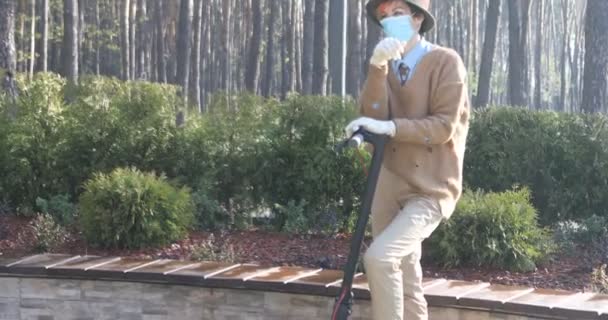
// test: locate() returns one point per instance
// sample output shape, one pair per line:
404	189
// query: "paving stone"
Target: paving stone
447	293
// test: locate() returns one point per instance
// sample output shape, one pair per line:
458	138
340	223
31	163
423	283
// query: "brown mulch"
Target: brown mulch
276	249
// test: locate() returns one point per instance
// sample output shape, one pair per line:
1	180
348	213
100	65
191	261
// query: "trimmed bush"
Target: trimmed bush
131	209
562	158
492	230
251	154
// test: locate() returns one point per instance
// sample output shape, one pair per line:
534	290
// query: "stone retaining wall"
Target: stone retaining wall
57	287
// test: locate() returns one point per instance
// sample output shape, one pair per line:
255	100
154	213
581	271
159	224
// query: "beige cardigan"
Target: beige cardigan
431	112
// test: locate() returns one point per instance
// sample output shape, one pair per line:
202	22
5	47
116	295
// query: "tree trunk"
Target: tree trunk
96	43
252	72
354	70
595	85
43	30
538	55
142	39
563	52
298	40
519	12
320	66
183	46
82	52
160	43
487	55
308	47
337	45
288	62
55	57
70	40
132	40
21	65
226	44
518	34
270	50
32	38
474	33
8	59
195	86
125	39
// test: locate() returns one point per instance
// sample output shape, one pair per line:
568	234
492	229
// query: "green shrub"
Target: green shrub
589	234
113	124
62	135
209	214
131	209
217	153
250	153
30	142
584	232
492	230
296	221
59	207
562	158
299	163
48	234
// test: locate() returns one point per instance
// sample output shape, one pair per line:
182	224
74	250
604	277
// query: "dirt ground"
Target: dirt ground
268	248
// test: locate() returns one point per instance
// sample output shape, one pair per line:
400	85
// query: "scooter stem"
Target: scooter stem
342	308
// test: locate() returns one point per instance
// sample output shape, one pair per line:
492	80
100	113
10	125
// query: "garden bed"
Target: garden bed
571	272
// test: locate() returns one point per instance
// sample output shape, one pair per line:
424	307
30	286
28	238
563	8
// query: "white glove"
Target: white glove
374	126
387	49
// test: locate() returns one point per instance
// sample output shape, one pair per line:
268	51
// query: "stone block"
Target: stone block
111	290
9	309
127	290
473	315
157	293
233	314
443	313
9	287
245	299
153	308
156	317
56	289
35	303
36	314
291	306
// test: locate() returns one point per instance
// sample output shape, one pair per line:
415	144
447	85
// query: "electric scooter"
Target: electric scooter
343	306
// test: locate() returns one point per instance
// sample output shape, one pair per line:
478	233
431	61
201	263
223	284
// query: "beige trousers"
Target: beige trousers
392	262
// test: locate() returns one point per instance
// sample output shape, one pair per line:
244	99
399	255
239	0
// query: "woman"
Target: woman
416	93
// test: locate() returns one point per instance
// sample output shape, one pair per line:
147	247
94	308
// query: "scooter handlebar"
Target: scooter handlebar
356	140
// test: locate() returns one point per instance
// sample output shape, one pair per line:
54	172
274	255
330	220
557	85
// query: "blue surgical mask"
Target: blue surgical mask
399	27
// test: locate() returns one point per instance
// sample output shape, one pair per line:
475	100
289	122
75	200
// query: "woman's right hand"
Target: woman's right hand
387	49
